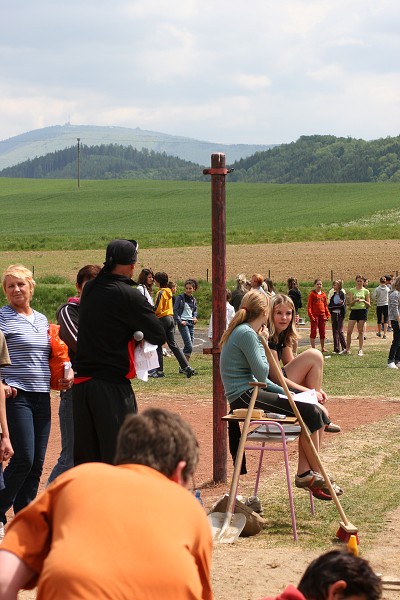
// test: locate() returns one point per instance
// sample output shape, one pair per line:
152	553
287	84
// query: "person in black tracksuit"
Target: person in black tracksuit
111	310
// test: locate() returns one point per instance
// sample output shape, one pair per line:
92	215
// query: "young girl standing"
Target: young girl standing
359	302
185	315
317	308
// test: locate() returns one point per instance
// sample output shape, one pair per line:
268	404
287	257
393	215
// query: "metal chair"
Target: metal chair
272	436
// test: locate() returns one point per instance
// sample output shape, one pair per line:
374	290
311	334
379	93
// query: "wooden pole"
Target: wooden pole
218	220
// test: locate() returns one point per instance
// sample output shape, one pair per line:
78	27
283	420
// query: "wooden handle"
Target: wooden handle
305	430
240	452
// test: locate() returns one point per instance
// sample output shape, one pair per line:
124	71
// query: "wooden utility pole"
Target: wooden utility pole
218	173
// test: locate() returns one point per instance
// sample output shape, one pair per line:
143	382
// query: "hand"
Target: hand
263	331
194	320
66	383
9	392
183	323
6	450
322	397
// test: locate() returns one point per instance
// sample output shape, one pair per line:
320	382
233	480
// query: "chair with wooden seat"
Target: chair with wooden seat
273	436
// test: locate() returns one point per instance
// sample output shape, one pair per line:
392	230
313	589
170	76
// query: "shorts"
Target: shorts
358	314
382	311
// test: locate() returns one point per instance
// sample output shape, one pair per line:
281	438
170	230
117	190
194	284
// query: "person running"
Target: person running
243	359
164	312
359	302
317	308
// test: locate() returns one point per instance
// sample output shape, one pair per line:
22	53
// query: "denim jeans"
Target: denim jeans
66	418
28	416
187	335
394	353
168	324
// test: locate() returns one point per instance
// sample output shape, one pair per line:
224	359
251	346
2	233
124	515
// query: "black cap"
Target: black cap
121	252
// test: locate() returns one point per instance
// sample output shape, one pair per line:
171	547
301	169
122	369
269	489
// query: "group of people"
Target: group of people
95	530
386	296
172	311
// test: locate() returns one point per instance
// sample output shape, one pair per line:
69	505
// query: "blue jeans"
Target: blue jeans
187	335
28	416
66	418
394	353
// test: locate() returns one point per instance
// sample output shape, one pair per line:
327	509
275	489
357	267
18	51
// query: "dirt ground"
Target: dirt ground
304	260
249	569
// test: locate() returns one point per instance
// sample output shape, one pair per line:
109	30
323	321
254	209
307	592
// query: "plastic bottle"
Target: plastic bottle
197	495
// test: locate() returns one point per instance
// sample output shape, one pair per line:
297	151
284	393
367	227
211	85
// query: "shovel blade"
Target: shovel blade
231	533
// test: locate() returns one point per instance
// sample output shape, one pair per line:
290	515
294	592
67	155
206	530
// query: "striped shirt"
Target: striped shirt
29	348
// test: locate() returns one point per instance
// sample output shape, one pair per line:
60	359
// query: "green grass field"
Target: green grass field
55	214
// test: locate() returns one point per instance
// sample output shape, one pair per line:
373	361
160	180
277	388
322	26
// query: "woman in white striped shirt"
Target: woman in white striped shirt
27	381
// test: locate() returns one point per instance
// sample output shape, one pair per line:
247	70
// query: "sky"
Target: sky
226	71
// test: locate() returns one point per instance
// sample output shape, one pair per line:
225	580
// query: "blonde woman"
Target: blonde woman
27	389
303	372
243	359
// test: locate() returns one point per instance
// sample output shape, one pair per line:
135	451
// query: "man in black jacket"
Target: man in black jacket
111	310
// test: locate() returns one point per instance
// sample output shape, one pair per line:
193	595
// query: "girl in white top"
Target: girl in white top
145	287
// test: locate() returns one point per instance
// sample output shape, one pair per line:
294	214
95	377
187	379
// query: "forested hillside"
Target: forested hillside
311	159
323	159
107	161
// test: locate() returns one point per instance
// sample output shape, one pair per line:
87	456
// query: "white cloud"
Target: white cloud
264	72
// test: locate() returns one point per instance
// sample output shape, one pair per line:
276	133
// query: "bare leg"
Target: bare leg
350	327
307	369
312	342
360	327
306	457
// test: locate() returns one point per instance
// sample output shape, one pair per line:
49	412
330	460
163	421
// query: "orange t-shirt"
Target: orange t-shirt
124	532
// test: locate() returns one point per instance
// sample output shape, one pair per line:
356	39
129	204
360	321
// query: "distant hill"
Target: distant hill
108	161
40	142
323	159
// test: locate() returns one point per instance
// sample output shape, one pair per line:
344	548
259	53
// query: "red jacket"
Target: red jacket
317	305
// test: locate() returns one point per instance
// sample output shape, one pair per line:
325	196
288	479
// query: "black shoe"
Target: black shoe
157	374
189	372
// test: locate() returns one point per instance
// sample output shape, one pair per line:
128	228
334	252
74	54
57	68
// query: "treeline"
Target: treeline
311	159
323	159
107	161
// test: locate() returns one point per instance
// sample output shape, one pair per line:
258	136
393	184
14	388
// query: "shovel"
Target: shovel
226	527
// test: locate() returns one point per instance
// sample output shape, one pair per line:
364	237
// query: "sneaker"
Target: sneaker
344	352
365	337
360	353
157	374
389	330
336	487
2	531
379	335
332	428
311	481
321	495
392	365
384	337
